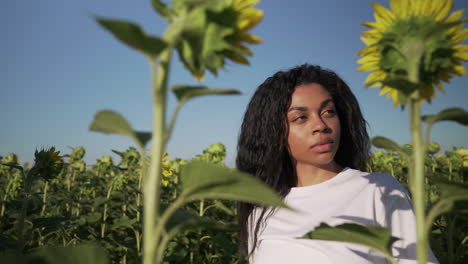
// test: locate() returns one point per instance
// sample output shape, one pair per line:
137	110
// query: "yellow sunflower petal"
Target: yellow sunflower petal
369	41
461	52
249	38
383	15
416	6
394	95
373	33
455	16
241	4
368	67
459	70
368	50
373	77
385	89
369	59
426	8
374	25
445	9
460	35
395	6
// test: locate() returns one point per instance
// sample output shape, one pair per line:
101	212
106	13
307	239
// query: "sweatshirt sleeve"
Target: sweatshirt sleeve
397	214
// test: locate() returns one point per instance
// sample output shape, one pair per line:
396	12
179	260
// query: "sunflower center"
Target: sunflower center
416	49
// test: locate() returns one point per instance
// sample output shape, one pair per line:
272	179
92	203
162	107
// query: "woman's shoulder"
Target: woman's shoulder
381	180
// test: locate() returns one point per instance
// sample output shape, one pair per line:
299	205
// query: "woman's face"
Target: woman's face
314	126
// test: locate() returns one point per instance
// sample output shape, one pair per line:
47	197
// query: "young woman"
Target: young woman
304	135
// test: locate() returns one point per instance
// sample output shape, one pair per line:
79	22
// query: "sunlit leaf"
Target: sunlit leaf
132	35
111	122
84	254
455	114
374	237
187	92
201	180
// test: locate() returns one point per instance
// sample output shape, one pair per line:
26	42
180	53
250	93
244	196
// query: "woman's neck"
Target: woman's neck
308	174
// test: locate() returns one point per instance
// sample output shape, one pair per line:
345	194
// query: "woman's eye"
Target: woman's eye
299	119
329	113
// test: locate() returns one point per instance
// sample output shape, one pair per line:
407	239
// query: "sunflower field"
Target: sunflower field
101	204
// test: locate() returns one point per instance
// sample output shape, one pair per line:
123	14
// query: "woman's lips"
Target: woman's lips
322	147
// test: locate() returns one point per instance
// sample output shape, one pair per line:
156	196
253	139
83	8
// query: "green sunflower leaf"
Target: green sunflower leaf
163	10
187	92
133	36
455	114
83	254
374	237
201	180
453	198
385	143
110	122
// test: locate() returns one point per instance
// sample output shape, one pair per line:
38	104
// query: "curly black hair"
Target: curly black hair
262	149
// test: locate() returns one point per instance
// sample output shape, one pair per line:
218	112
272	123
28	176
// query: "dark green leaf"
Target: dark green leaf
402	85
186	92
48	221
374	237
124	222
202	180
183	219
453	191
162	9
453	198
388	144
132	35
111	122
143	137
455	114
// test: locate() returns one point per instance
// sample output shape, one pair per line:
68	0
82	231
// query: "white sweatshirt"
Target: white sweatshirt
351	196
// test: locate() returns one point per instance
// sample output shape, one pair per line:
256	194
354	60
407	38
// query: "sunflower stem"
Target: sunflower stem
417	175
152	181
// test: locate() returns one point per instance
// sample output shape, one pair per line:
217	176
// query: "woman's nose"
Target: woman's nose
319	126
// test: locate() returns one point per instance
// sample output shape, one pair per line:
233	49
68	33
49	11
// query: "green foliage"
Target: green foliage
110	122
132	35
374	237
70	210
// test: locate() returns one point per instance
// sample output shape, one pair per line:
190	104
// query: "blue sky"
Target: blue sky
59	68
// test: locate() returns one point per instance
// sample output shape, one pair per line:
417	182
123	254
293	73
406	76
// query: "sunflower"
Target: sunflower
413	46
207	32
47	163
167	171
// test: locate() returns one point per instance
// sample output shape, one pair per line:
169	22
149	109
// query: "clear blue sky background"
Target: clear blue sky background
58	68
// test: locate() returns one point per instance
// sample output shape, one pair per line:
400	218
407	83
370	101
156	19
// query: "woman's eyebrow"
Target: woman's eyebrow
298	108
325	103
304	108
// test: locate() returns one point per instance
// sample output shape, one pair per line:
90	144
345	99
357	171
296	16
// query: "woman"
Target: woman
303	134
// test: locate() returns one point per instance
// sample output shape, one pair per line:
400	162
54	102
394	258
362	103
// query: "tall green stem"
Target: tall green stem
151	192
417	187
417	174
